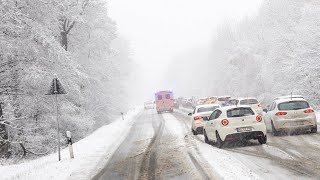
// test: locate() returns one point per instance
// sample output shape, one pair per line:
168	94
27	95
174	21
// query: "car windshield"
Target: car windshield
207	109
293	105
239	112
248	101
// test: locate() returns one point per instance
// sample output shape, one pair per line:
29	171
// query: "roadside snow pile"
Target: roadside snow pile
91	153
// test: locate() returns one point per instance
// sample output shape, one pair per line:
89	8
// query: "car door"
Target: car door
269	114
212	124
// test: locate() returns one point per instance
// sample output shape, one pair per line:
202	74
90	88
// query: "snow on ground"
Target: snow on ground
88	153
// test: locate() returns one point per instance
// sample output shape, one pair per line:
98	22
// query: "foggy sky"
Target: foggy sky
158	30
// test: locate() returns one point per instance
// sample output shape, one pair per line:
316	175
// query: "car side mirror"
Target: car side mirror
265	110
190	114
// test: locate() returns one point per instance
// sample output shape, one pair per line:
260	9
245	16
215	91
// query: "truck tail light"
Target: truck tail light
281	113
309	111
225	122
259	118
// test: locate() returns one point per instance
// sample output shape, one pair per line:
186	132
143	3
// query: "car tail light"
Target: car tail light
197	117
225	122
281	113
259	118
309	111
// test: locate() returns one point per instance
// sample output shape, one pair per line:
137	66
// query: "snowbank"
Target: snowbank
91	154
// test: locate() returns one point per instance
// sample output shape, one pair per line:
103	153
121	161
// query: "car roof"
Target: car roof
207	105
226	108
289	99
243	98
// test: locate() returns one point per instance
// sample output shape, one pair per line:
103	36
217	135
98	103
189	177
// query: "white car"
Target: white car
149	105
234	123
199	115
222	100
290	114
252	102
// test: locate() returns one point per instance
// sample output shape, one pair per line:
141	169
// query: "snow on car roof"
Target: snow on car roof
225	108
207	105
289	99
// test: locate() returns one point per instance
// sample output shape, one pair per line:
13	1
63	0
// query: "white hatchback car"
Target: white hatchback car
252	102
199	115
290	114
234	123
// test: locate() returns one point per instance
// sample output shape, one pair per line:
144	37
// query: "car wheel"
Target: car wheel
159	112
194	132
314	129
262	140
219	141
206	140
274	131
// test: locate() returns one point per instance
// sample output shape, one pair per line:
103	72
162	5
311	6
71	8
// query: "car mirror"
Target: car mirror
265	110
190	114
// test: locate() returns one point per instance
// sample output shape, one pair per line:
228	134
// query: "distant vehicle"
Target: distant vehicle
187	102
164	101
253	102
149	105
211	100
290	114
234	123
176	104
199	115
222	100
231	102
201	101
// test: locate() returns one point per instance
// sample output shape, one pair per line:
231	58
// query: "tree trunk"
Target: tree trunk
64	40
4	146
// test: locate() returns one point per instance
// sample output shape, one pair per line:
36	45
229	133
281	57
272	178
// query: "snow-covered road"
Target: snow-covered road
147	145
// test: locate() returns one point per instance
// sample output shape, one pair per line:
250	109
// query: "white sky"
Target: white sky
160	29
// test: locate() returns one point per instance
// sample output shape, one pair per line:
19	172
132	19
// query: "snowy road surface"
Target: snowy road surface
147	145
162	147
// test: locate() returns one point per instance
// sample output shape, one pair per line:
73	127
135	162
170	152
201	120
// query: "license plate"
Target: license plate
296	123
244	129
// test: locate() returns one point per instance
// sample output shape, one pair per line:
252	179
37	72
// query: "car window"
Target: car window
218	114
213	115
293	105
159	97
223	99
167	96
240	112
206	109
248	101
273	106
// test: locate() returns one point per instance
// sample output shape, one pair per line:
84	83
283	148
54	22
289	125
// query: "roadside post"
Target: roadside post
55	89
122	115
69	141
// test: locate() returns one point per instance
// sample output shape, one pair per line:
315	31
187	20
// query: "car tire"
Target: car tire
194	132
263	139
314	129
274	131
206	140
159	112
219	142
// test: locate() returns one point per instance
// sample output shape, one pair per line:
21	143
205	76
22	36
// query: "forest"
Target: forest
78	41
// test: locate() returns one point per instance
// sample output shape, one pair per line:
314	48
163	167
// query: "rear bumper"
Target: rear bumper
245	136
295	124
